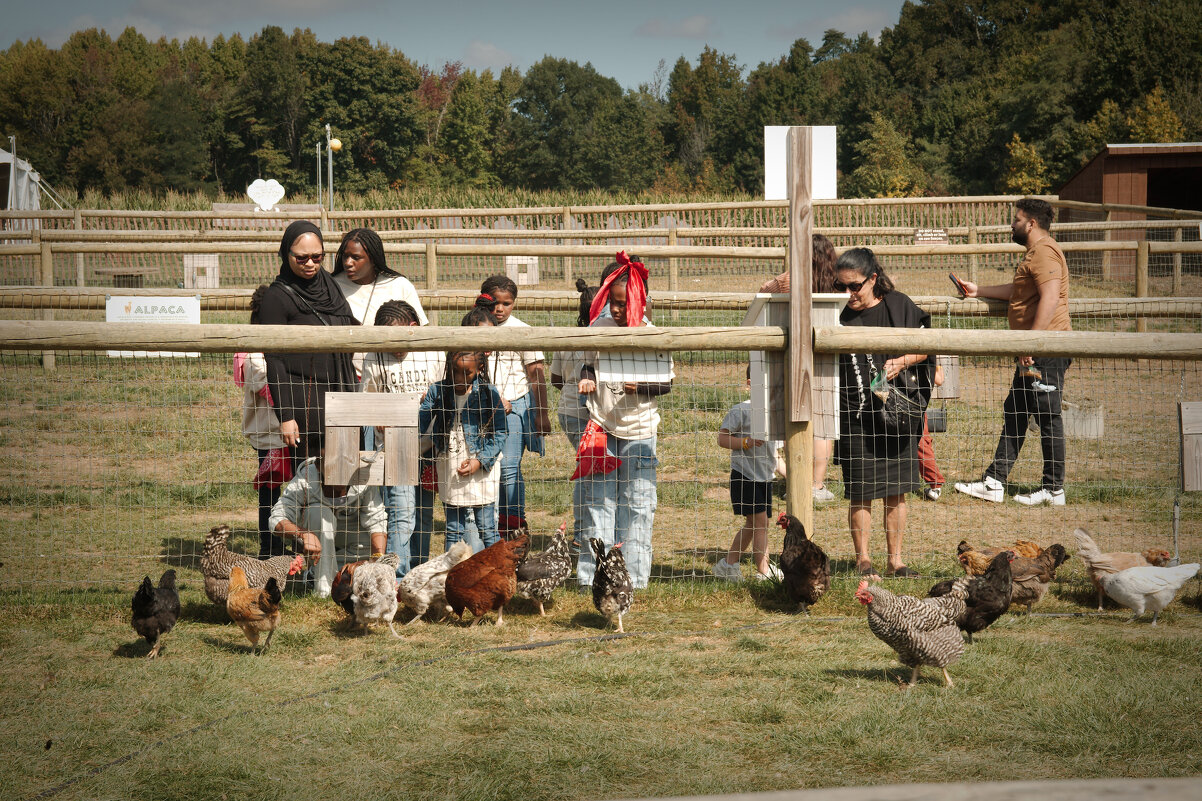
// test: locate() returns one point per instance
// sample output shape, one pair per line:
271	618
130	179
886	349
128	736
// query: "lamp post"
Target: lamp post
332	146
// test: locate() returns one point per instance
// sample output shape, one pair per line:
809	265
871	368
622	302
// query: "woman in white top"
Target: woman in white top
520	377
367	282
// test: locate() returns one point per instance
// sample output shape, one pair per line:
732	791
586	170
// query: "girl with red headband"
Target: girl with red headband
619	506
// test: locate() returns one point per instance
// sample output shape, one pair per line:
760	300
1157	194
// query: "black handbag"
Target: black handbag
901	404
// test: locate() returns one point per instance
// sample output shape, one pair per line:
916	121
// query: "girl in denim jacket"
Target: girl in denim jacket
468	431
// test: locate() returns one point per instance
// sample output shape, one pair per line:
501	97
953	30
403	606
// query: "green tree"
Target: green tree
466	139
888	167
707	114
1154	120
1026	174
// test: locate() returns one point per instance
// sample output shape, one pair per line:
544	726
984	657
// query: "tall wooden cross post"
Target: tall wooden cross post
799	433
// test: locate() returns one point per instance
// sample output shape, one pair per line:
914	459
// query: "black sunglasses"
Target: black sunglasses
856	287
316	258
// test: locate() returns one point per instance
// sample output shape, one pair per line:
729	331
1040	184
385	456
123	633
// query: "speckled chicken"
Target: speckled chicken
1098	563
1031	577
216	561
254	609
424	586
613	592
540	573
986	597
155	610
485	581
805	566
373	592
922	632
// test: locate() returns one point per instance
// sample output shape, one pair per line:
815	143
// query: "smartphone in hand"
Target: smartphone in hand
959	286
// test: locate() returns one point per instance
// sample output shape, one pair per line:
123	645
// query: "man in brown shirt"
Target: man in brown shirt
1038	298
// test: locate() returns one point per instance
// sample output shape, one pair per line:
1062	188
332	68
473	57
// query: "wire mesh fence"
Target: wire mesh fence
112	466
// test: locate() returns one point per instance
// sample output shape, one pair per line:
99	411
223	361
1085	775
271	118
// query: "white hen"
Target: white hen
1149	588
373	592
425	585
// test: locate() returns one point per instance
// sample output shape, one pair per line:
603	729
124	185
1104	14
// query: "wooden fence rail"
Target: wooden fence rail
44	336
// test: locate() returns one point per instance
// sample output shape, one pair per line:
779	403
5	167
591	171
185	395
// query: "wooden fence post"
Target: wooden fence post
973	260
1141	282
799	361
46	278
432	275
564	225
79	272
1106	271
1178	238
673	271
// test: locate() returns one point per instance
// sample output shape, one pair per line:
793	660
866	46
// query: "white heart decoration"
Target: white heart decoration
265	193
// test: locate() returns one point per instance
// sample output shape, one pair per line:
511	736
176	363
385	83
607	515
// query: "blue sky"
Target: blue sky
623	39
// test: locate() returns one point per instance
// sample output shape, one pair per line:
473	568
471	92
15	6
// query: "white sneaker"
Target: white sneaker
725	570
822	494
932	493
987	489
773	573
1053	497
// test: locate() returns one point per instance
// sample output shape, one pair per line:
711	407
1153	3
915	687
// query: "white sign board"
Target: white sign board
640	366
145	309
823	181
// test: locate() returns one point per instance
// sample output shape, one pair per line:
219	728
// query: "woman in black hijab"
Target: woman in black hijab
305	294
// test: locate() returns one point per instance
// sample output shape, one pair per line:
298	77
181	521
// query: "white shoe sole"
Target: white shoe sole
993	496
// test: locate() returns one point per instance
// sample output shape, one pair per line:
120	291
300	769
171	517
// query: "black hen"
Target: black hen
806	568
986	597
540	573
155	610
612	591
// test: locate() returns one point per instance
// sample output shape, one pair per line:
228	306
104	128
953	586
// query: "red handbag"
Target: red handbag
275	470
591	456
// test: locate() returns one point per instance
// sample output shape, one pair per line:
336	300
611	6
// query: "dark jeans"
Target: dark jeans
1022	402
270	544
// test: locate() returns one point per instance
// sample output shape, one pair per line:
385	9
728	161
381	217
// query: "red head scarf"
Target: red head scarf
636	290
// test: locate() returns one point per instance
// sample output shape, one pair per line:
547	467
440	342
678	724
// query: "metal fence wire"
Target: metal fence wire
111	466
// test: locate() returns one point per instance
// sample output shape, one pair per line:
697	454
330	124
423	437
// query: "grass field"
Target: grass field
716	690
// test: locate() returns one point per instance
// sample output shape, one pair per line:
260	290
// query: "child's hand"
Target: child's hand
587	386
508	406
468	467
630	387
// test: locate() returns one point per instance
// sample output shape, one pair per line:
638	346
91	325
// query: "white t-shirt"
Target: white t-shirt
757	463
625	416
414	372
507	368
566	364
478	489
365	300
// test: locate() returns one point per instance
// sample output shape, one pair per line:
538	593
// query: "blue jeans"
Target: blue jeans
512	500
620	507
484	519
573	427
410	523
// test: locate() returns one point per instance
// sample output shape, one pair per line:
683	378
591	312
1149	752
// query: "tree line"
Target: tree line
956	98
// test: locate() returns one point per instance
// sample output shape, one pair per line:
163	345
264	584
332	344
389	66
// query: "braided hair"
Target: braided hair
372	245
501	282
396	312
256	303
481	312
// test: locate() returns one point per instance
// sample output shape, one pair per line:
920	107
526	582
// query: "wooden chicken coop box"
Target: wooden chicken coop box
346	415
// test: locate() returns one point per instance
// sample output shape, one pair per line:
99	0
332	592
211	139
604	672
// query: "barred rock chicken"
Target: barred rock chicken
155	610
613	592
922	632
343	586
986	598
254	609
1147	588
540	573
1098	563
217	559
806	568
373	592
486	581
424	586
1031	577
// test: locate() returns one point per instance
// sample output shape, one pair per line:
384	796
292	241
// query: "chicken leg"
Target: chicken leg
154	652
948	678
500	620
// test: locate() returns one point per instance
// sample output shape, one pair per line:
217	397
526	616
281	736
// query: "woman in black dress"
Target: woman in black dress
305	294
876	464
